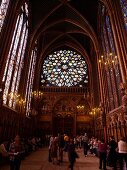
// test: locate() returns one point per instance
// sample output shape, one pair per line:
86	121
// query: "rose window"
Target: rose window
64	68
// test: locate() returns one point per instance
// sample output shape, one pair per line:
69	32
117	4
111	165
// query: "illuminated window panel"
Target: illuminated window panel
116	69
20	58
106	41
112	71
3	10
123	4
15	58
12	52
64	68
30	80
111	41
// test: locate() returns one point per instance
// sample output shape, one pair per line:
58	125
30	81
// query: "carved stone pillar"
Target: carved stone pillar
119	129
122	120
123	128
104	124
124	104
114	125
108	126
123	115
115	131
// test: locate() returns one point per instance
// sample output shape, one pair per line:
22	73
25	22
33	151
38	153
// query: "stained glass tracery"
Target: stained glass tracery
111	68
3	10
15	58
123	4
64	68
30	79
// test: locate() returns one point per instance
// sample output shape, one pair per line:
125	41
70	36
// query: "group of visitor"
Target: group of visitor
16	150
112	154
60	144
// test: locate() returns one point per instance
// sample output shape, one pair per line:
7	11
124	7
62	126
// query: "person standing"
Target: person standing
112	155
72	154
50	144
61	144
85	144
102	149
54	150
15	153
66	140
122	150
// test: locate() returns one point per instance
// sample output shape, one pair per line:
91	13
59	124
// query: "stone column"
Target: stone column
122	120
103	115
124	103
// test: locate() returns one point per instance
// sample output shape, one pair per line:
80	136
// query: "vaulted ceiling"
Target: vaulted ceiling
65	23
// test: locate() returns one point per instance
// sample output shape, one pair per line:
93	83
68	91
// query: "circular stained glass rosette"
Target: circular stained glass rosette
64	68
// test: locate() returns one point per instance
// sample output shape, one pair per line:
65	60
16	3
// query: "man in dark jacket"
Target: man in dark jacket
112	156
72	154
85	144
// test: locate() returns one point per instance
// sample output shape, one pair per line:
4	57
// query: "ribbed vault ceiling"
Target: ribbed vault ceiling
76	18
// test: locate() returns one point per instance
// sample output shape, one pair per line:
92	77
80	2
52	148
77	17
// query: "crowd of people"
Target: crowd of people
15	150
112	153
60	144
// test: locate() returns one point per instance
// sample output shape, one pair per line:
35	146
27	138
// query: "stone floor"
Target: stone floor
39	161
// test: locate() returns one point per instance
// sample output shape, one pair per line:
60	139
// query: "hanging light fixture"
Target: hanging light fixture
37	94
108	59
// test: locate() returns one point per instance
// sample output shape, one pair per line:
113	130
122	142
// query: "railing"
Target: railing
117	110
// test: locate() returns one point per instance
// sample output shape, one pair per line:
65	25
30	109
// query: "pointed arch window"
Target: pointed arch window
30	79
123	4
15	58
3	10
114	70
110	61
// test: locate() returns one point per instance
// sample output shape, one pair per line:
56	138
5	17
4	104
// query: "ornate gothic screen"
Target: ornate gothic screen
123	4
3	10
64	68
15	58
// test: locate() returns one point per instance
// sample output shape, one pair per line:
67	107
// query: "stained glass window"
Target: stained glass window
109	31
117	75
123	4
15	58
110	61
64	68
105	41
3	10
30	80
